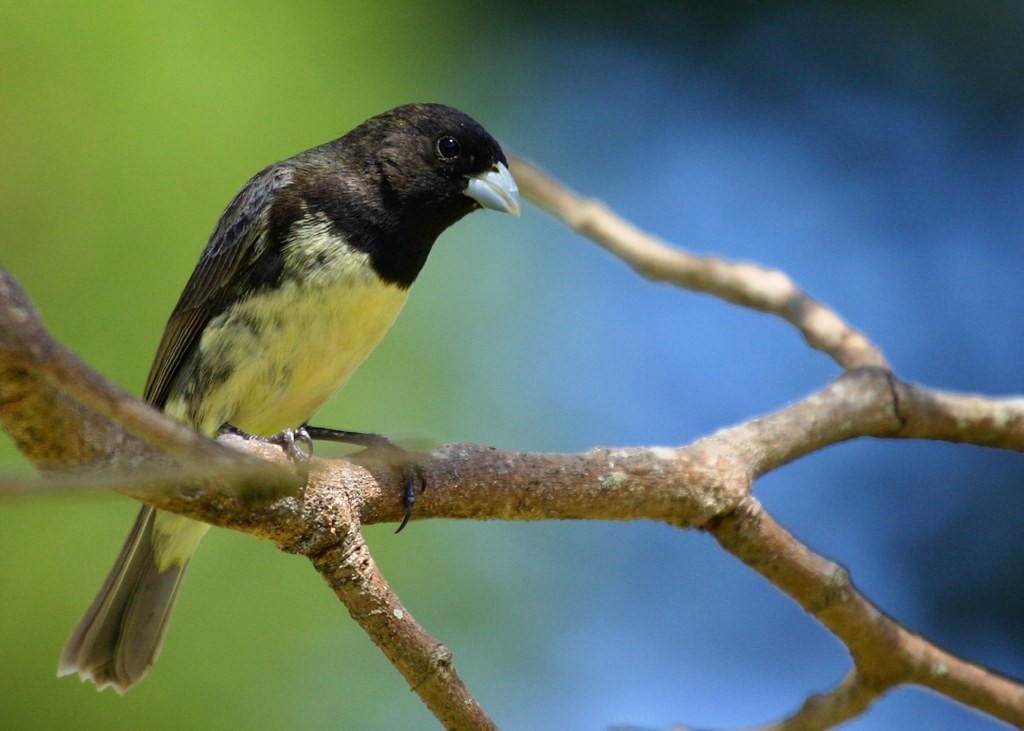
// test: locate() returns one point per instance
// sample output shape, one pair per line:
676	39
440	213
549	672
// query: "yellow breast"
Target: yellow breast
288	350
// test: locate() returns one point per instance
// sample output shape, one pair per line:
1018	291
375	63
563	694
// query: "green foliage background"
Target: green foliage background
124	130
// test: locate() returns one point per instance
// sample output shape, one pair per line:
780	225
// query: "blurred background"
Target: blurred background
873	150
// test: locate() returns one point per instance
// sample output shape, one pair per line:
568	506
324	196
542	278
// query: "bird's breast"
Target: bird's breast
279	354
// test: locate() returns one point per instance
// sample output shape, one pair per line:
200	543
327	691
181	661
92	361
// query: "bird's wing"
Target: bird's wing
240	237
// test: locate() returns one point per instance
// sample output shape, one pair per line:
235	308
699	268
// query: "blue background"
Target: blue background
874	151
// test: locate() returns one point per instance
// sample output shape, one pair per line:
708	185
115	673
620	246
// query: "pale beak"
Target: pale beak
495	189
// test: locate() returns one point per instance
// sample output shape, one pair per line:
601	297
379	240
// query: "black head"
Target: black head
399	179
425	153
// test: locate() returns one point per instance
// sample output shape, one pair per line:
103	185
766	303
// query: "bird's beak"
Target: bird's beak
495	189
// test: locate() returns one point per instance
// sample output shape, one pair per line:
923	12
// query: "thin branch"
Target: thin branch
847	700
767	290
965	418
884	652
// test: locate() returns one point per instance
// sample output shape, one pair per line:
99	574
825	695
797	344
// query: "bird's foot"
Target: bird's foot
296	443
287	439
378	448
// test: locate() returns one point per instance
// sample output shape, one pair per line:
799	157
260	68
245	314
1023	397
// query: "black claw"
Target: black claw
415	483
405	518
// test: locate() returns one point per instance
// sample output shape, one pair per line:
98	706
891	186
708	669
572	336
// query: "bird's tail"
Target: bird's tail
119	638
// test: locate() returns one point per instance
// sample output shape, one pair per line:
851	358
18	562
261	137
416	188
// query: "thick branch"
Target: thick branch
63	415
348	567
47	394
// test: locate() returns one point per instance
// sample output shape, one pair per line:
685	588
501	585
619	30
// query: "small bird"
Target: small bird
306	270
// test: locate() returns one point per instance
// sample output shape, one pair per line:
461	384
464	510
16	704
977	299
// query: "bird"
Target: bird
306	270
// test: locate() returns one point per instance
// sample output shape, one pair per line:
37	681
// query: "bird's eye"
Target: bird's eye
448	147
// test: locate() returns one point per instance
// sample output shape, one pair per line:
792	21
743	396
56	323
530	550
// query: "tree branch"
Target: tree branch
884	653
767	290
63	416
349	569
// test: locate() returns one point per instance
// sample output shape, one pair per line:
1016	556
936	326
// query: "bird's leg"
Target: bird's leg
376	445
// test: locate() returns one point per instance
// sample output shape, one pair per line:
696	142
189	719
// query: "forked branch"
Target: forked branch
65	417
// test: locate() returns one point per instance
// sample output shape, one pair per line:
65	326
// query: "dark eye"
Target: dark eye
448	147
